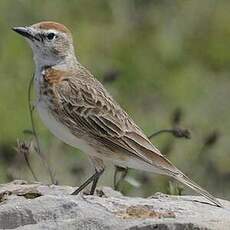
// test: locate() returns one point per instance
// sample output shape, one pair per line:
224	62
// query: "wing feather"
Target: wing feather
91	107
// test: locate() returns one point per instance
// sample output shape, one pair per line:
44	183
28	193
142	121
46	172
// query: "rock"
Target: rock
25	206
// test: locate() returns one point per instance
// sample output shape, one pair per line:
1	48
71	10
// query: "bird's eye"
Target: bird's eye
50	36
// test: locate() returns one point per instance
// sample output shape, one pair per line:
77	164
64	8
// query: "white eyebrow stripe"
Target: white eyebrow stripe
51	31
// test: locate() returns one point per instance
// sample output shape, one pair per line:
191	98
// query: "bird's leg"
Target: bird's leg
95	181
123	171
99	169
93	178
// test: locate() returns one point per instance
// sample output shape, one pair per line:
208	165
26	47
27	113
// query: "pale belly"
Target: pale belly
60	131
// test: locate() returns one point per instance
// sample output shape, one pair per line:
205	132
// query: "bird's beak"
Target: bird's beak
25	32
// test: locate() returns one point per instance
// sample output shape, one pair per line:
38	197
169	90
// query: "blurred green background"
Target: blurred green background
158	58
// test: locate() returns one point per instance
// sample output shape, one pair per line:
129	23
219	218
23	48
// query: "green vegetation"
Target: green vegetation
168	55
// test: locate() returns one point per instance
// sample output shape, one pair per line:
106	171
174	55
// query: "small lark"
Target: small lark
79	111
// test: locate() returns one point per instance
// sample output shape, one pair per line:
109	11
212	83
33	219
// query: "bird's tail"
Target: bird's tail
185	180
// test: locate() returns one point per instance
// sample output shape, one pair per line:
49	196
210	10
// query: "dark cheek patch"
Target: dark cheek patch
60	47
55	50
41	36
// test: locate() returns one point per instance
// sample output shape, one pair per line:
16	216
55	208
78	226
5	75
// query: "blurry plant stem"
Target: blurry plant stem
38	148
24	148
123	172
176	132
30	168
159	132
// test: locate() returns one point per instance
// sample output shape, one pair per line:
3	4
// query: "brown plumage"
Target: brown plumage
83	103
78	110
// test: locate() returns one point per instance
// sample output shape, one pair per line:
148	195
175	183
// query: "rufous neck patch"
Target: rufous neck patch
53	76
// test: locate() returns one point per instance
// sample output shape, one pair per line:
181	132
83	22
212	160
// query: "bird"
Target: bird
78	110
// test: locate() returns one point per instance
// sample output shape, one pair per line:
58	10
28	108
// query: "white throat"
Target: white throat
67	62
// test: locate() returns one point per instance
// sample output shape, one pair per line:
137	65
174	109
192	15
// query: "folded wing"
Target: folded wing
87	104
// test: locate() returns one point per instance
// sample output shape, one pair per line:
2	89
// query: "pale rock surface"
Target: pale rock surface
35	206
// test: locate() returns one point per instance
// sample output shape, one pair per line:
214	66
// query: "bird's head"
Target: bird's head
51	42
